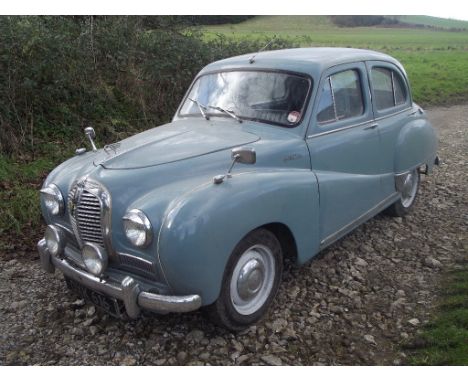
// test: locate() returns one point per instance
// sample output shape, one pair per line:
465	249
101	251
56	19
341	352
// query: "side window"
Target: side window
400	90
340	98
389	89
326	110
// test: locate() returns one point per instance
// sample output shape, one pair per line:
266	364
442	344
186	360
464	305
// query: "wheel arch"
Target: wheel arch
286	239
416	146
200	232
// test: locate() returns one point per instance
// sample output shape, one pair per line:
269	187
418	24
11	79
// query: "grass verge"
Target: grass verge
20	217
444	341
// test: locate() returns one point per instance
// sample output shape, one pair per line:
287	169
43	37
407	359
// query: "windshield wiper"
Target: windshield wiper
228	112
201	107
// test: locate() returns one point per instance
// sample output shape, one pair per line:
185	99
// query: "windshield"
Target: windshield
272	97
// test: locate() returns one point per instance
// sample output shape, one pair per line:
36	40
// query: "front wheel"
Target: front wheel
251	281
409	191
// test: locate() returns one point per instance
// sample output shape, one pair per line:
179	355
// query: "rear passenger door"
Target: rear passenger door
391	104
345	150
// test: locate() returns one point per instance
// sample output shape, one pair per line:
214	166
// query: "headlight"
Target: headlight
55	240
138	228
94	258
53	199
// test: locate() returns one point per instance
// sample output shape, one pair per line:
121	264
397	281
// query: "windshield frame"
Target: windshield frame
244	118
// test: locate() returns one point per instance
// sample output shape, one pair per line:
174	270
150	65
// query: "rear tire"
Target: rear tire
251	281
408	195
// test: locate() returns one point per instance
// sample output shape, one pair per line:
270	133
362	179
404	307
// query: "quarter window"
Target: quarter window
388	87
341	97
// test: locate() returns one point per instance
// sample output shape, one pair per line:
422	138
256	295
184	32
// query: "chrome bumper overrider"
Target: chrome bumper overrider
128	290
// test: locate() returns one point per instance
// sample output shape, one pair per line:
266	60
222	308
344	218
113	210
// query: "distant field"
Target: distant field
433	21
436	61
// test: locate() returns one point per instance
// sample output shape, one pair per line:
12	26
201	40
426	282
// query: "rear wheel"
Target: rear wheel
251	280
408	195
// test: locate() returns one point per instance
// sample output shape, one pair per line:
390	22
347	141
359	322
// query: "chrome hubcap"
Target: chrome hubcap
252	279
410	186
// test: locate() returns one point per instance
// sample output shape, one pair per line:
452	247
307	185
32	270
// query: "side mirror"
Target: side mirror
244	155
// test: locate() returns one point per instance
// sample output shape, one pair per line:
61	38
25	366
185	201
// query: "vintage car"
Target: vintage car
270	156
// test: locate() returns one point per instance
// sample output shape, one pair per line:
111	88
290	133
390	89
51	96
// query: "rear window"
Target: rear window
388	87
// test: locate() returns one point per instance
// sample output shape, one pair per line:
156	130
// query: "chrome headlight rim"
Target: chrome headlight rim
55	240
53	192
93	254
138	218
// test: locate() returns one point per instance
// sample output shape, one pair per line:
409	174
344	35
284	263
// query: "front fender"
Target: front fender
202	227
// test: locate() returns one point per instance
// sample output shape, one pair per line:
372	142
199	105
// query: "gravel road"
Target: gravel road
355	303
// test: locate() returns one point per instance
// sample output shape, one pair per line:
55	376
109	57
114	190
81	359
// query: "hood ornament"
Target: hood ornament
111	147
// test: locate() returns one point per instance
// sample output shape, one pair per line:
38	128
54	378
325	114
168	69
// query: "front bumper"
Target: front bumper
128	290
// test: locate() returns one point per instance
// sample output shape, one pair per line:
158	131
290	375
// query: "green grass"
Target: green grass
436	61
18	194
320	31
437	77
20	181
445	340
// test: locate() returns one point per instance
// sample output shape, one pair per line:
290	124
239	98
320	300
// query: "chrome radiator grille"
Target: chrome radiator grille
85	215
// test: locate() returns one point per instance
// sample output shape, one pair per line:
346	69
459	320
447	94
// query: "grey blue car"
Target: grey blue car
270	156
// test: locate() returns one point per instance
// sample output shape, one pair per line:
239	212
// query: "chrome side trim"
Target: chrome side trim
340	129
361	219
333	97
358	124
393	114
128	290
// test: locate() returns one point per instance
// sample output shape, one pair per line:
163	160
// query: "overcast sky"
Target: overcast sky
456	9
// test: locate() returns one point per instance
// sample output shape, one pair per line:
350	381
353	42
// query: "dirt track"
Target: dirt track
353	304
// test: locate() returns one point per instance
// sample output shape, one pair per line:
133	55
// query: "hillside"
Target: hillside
431	21
320	31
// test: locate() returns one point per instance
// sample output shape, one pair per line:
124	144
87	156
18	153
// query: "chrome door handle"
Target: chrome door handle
373	126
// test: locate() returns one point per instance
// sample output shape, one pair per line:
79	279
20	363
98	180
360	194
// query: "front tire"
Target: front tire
251	281
408	195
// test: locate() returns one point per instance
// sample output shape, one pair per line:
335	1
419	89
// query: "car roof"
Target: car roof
312	61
